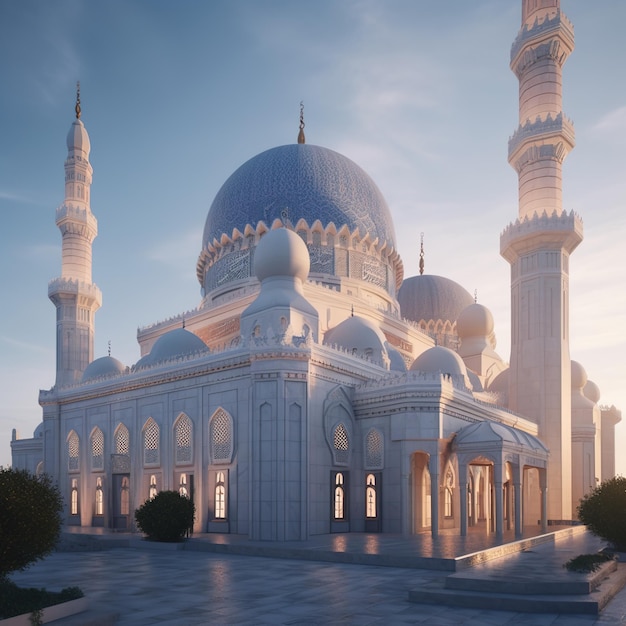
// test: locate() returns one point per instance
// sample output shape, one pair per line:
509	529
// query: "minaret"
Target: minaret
538	245
74	294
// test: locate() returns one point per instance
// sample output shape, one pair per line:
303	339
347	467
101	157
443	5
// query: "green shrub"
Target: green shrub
167	517
586	563
603	511
16	600
30	519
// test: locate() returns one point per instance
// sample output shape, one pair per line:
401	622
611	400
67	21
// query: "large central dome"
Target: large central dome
300	181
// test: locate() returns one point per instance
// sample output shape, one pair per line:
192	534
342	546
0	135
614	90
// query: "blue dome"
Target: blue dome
300	181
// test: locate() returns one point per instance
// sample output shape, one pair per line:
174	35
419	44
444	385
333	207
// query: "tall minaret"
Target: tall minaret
74	294
538	245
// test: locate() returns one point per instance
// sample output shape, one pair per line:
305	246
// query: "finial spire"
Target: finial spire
77	107
475	296
301	133
421	253
183	320
109	347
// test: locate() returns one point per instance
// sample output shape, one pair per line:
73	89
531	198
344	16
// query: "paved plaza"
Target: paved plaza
157	584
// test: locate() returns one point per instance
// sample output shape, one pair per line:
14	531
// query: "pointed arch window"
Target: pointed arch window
183	435
151	450
221	437
125	497
339	497
122	440
220	496
73	451
74	497
153	489
370	497
99	497
97	450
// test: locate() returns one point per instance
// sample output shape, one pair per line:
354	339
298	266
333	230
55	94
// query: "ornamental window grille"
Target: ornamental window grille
220	496
374	450
183	437
97	450
316	238
122	440
73	450
221	437
341	444
151	443
99	497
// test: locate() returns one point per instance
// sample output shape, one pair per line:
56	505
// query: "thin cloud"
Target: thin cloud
614	122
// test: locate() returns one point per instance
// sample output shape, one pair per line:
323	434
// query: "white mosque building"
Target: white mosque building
315	389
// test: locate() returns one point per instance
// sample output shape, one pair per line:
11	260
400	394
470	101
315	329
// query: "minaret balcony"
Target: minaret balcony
541	32
558	129
87	293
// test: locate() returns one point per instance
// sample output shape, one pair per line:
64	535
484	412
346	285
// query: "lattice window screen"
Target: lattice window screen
221	437
184	429
151	443
97	450
73	449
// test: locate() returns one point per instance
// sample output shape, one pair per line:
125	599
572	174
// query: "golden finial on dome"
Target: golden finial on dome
301	133
77	107
421	253
475	296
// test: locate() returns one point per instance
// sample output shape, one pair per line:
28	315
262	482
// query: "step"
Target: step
436	592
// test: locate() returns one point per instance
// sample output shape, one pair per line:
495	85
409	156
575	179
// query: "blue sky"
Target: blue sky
176	95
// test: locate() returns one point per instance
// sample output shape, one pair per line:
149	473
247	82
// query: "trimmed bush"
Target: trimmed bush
603	511
16	600
30	519
167	517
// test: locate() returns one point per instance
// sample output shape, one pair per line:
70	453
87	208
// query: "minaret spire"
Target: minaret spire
301	138
421	253
74	294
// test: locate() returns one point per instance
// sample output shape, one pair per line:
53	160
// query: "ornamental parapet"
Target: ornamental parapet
540	130
564	229
540	30
69	286
67	212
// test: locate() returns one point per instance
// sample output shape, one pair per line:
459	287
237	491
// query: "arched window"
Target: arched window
221	437
374	449
447	495
39	470
153	489
125	497
182	487
73	449
97	450
74	497
339	498
151	454
220	496
99	497
183	431
122	440
370	496
341	444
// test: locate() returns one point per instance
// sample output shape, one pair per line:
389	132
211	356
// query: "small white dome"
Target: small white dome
579	375
359	336
173	344
474	321
281	252
440	359
78	139
104	366
592	391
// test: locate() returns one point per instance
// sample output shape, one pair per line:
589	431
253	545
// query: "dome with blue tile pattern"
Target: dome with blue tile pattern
300	181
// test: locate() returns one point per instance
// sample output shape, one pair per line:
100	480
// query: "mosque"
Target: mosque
315	389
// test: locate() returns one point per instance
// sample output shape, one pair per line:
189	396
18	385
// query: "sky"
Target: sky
176	95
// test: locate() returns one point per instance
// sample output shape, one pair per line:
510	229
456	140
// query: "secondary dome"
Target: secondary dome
475	320
103	367
281	253
443	360
323	195
173	344
426	297
359	336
